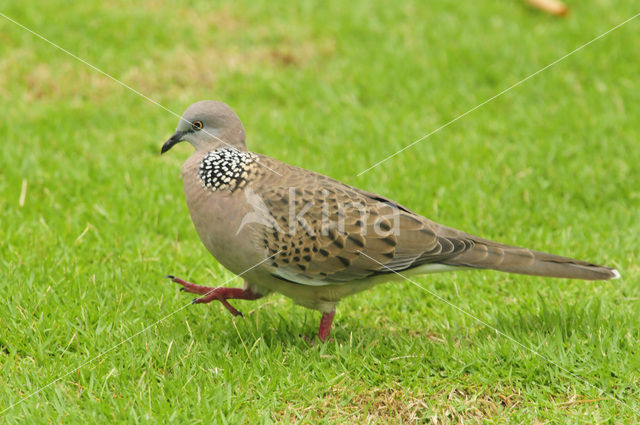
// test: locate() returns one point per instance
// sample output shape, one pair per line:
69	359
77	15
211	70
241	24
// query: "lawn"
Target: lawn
92	217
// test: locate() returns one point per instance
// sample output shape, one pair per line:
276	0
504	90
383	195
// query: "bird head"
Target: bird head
207	125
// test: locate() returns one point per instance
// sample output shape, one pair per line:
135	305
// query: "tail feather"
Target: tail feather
492	255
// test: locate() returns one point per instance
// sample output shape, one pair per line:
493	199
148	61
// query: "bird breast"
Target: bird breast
217	210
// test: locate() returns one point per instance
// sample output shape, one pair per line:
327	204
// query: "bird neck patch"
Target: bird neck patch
226	169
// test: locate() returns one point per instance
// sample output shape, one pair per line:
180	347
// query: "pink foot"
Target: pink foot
221	294
325	326
325	329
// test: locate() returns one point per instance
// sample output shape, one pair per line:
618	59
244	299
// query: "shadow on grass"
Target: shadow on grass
296	328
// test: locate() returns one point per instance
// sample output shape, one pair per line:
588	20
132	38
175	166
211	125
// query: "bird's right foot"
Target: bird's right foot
220	293
191	287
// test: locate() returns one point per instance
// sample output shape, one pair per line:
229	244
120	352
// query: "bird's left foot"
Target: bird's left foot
324	330
312	341
221	294
325	326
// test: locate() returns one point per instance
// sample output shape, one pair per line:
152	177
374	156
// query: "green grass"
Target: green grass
335	87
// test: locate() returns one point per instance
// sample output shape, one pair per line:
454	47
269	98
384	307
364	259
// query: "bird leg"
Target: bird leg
325	325
221	294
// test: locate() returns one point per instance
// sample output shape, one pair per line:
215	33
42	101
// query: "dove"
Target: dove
314	239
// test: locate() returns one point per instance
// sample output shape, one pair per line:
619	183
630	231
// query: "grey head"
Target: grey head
208	125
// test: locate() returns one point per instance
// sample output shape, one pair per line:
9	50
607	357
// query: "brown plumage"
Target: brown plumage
313	238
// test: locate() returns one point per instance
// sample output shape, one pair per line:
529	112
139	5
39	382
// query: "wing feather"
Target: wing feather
331	233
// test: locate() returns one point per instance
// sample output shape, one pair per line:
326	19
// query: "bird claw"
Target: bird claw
219	293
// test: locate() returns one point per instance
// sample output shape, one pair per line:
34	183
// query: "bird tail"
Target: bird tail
492	255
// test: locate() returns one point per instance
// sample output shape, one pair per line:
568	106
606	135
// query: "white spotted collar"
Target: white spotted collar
226	169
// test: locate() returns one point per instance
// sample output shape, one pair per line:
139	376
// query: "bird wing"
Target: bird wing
325	232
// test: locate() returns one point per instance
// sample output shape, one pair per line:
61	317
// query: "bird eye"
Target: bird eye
197	125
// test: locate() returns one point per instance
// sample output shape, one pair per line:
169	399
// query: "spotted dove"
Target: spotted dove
314	239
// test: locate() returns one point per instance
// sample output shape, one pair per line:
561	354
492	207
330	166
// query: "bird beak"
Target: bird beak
176	138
